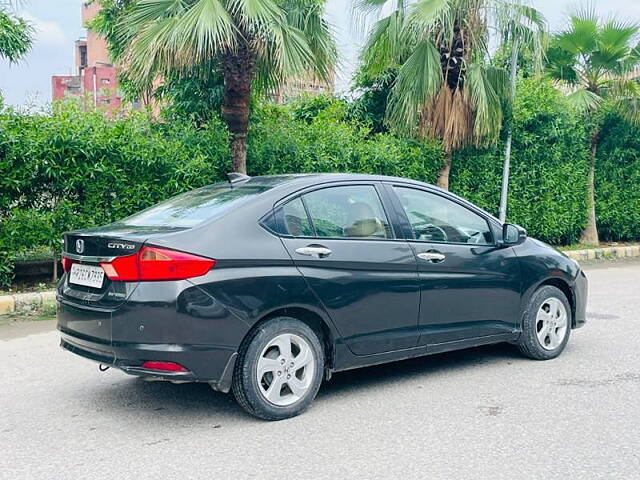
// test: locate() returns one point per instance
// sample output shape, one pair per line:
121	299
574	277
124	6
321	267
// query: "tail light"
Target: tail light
66	263
152	263
164	366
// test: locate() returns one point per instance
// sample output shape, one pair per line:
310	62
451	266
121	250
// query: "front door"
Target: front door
342	242
469	288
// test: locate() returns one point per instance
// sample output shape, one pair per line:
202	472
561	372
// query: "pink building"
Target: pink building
96	79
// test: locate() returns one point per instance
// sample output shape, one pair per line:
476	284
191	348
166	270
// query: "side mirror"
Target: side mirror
513	234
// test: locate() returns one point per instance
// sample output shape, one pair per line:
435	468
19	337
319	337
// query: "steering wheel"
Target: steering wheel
434	231
474	238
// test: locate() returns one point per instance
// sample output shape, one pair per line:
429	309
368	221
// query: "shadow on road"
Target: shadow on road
371	377
191	401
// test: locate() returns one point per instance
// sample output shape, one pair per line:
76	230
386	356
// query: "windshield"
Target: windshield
196	206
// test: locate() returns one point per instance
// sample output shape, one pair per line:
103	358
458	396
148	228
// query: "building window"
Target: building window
82	50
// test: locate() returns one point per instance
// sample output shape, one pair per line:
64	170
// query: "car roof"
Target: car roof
309	179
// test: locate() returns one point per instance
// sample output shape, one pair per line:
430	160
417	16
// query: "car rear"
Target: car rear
130	296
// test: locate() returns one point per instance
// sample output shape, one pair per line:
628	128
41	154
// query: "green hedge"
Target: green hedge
72	169
618	181
547	191
280	143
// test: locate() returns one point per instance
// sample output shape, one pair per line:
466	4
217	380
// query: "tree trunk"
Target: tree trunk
590	232
443	174
238	68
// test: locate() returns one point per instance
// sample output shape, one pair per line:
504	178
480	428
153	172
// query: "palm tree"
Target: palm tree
255	44
596	61
445	86
15	34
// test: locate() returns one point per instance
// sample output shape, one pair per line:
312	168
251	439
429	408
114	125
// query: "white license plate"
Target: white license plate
86	275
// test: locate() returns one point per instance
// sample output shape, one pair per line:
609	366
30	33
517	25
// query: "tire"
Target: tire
284	389
546	325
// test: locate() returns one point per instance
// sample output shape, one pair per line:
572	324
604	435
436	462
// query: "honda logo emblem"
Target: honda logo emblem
80	246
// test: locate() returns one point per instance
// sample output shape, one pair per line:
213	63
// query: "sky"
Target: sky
57	24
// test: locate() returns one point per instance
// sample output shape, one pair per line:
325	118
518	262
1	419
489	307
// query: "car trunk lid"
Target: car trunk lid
86	307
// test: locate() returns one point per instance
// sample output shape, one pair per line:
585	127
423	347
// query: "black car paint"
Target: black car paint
372	299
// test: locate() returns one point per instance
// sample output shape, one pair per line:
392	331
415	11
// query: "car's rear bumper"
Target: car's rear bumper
211	364
194	331
580	298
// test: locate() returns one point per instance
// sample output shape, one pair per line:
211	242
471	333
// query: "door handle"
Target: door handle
314	251
433	257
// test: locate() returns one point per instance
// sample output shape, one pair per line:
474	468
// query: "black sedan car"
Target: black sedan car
267	285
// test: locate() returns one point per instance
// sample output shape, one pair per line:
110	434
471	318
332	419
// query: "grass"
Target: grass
22	317
36	253
29	287
588	246
568	248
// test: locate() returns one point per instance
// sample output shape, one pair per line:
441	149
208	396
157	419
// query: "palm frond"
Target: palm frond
205	29
417	82
617	34
629	108
425	12
519	22
308	17
383	47
483	85
582	35
364	12
292	53
584	100
256	16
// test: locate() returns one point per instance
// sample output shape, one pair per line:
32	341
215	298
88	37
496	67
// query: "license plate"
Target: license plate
86	275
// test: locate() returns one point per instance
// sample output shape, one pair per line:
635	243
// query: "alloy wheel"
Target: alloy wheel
285	369
551	323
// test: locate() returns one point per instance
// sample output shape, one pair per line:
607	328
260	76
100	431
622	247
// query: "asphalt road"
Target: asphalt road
480	413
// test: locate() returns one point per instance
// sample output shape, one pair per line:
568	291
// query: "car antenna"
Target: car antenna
235	177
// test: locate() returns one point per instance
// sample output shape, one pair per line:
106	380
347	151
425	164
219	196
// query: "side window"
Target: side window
347	212
293	219
437	219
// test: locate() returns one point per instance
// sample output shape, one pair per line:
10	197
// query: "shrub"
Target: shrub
73	169
324	142
618	180
547	191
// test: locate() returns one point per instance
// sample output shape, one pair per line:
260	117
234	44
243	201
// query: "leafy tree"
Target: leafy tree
372	93
16	34
598	63
253	44
445	86
194	93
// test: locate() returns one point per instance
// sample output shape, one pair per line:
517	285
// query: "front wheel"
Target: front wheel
279	369
547	324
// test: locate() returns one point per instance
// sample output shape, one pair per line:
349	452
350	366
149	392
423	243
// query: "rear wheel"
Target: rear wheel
547	324
279	369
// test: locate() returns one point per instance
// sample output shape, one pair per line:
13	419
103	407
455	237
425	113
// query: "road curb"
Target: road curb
605	253
27	302
32	302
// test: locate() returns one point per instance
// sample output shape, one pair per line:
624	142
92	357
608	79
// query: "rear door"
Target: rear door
469	288
341	239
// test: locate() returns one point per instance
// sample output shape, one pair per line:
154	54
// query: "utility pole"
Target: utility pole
507	148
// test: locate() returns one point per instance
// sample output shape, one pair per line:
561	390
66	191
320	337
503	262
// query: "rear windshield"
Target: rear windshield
192	208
